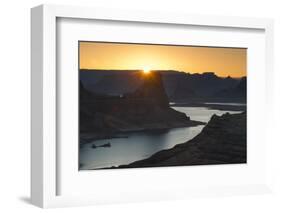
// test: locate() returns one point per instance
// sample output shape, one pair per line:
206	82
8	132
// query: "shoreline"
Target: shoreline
122	134
214	106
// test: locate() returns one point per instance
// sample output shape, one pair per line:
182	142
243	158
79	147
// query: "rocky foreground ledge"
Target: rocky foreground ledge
222	141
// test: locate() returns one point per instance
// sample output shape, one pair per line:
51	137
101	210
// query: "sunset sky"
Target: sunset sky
223	61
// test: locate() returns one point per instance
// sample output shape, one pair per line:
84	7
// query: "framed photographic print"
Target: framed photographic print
149	106
137	100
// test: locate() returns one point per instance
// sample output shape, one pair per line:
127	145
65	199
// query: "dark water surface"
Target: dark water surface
141	145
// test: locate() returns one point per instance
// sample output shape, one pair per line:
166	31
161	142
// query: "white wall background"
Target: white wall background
15	104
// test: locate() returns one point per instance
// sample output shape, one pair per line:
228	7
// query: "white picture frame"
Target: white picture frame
44	154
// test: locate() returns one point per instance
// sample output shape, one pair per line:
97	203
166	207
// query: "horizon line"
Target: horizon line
153	70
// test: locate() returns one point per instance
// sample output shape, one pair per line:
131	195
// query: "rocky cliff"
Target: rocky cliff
146	108
237	93
222	141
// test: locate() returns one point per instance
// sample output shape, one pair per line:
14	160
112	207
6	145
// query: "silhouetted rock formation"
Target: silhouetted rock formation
222	141
151	91
147	108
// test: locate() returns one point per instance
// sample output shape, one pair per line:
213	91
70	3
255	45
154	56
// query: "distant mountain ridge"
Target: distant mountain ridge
238	93
179	86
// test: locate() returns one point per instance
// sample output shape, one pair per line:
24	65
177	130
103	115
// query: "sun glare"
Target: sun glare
146	70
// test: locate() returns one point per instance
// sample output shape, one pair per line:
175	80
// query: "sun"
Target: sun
146	70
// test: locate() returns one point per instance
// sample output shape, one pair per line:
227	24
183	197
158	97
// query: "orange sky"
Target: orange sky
222	61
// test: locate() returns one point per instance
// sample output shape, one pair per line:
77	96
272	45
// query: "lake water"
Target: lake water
142	145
